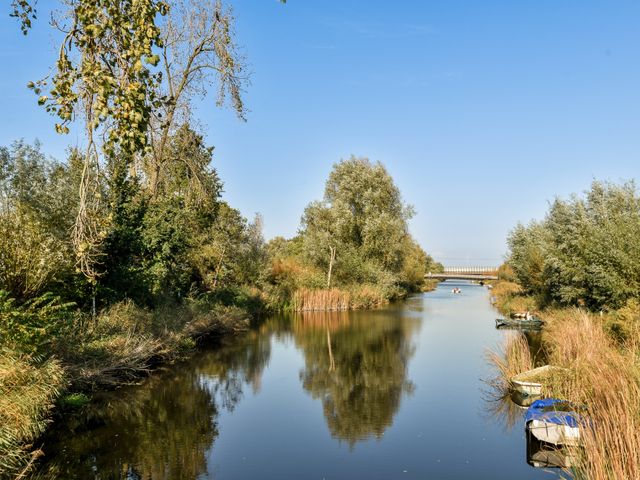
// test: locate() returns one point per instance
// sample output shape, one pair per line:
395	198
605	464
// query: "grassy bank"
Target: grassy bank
600	352
121	345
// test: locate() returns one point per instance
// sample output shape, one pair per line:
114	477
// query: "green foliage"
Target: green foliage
585	252
416	264
109	75
34	326
624	324
356	239
528	253
362	212
165	240
36	214
24	11
74	400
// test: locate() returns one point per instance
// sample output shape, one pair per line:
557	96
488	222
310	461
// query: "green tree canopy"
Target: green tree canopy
362	218
586	251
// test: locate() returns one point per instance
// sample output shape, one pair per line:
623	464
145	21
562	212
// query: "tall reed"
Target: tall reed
28	389
513	358
305	299
605	381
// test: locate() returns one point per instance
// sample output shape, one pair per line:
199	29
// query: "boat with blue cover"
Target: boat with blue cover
554	421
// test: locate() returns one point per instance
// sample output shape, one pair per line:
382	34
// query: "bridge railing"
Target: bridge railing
470	270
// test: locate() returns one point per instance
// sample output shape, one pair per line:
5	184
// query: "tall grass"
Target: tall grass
336	299
28	391
513	358
120	345
605	379
308	300
510	298
601	355
602	377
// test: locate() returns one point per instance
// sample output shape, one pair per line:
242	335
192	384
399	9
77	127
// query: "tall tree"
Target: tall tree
198	52
361	221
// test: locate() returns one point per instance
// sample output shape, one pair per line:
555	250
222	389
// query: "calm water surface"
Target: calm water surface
393	393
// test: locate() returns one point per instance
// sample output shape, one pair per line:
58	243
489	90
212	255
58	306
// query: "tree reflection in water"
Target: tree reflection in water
357	366
161	429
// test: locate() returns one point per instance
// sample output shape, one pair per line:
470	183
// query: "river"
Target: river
391	393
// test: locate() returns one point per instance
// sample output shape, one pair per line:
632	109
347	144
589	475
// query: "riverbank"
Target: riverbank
382	380
121	345
600	353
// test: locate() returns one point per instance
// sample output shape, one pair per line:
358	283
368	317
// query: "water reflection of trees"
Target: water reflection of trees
161	429
240	362
357	365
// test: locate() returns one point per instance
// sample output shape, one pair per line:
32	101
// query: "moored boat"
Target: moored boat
515	323
554	421
532	381
522	315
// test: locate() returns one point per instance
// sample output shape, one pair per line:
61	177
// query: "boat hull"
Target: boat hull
532	381
521	324
554	433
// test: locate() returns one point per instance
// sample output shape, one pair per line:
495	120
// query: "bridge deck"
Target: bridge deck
461	276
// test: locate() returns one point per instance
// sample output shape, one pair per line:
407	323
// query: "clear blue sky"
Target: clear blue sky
482	112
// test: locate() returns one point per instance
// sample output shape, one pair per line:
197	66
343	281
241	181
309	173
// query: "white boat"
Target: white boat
532	381
554	421
554	433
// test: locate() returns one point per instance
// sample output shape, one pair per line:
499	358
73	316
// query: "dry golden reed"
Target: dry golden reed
27	394
514	358
604	380
309	300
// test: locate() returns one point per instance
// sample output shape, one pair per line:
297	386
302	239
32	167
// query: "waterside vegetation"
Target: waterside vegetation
172	272
577	269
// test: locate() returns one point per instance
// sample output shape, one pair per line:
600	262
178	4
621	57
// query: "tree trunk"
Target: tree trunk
218	267
332	257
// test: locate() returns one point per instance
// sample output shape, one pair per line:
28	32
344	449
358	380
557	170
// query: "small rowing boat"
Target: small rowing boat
533	322
532	381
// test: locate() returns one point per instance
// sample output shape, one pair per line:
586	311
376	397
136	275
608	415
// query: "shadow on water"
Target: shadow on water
161	429
173	424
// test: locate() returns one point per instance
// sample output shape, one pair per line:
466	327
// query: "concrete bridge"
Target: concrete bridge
466	273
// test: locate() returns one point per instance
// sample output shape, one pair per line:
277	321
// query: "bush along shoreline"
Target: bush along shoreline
577	270
121	345
168	266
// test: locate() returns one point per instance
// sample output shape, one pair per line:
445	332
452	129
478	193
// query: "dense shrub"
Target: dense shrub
585	252
33	327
